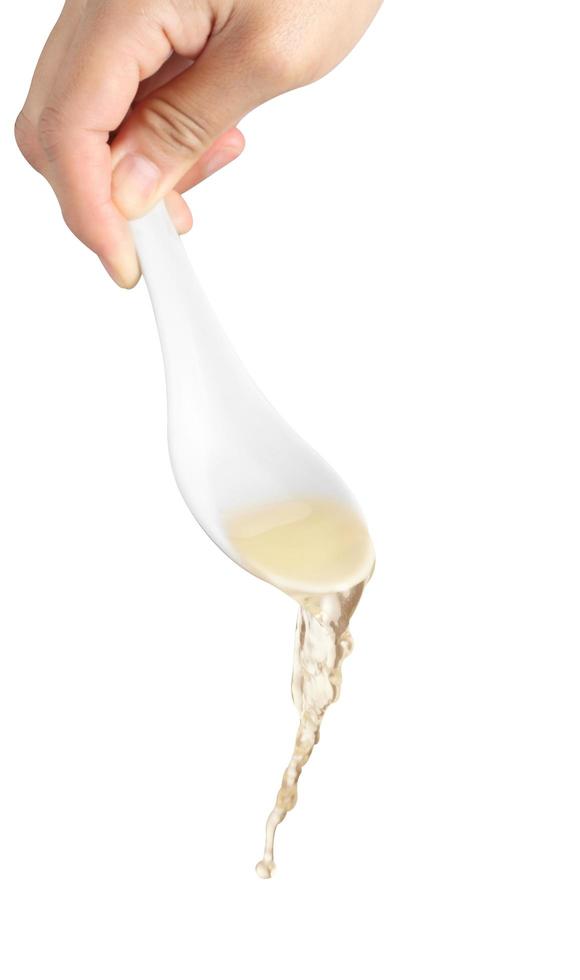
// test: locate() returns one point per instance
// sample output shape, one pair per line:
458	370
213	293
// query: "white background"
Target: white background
396	258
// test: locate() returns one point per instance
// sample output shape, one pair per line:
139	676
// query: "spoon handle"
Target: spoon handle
181	308
195	354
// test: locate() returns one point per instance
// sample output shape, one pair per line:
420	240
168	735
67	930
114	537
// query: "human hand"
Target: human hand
170	79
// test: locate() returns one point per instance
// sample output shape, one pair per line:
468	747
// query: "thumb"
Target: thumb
170	130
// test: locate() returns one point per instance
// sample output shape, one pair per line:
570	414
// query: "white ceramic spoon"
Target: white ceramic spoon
229	448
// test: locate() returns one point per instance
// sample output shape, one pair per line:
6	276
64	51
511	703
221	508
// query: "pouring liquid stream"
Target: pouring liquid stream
320	553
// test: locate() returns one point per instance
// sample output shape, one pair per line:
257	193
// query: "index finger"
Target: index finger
91	96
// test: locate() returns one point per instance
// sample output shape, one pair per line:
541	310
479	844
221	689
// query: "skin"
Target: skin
135	100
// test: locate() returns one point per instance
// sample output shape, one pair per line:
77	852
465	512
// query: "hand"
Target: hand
171	79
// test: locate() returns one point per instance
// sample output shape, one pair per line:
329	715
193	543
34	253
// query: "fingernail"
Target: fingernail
135	180
219	159
124	270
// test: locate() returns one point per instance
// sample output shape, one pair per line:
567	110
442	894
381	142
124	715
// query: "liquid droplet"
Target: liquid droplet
265	868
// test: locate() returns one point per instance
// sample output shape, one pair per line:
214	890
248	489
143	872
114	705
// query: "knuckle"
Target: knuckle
26	139
50	127
175	129
75	226
277	62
